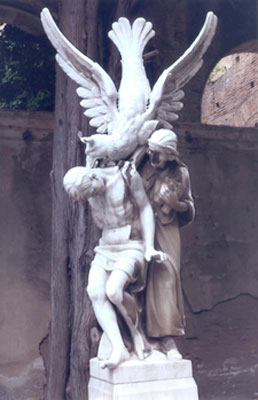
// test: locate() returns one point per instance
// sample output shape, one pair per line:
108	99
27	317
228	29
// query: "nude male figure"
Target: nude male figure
120	208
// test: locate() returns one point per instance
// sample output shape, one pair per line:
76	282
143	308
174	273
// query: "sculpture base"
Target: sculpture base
143	380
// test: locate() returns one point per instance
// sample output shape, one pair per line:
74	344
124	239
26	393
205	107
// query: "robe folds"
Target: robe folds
164	299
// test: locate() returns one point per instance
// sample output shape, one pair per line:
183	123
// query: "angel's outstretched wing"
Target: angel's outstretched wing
96	87
166	93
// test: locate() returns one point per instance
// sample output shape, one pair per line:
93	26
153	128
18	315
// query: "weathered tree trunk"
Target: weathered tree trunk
65	155
73	233
82	233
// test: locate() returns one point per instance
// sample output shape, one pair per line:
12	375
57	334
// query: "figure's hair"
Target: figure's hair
78	183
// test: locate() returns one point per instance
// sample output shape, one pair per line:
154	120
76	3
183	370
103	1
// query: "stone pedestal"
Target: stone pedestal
143	380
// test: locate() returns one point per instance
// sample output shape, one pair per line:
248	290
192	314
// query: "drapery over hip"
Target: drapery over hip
127	256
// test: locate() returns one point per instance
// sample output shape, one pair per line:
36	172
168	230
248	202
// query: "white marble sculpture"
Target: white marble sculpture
130	115
128	205
124	247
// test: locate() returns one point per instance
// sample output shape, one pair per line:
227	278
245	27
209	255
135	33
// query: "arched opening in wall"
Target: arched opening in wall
231	91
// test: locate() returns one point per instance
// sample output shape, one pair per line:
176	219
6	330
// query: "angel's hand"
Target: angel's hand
152	254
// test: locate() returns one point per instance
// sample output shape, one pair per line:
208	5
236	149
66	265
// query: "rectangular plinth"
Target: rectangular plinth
141	371
143	380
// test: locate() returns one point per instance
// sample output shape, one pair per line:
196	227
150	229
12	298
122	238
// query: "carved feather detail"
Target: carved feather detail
166	90
140	109
96	84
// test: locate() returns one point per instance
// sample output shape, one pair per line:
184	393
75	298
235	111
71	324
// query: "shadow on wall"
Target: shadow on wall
219	260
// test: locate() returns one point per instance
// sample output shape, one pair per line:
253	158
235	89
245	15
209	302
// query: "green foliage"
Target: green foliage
27	71
218	71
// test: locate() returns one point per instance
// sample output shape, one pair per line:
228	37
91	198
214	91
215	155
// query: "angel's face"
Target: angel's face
158	159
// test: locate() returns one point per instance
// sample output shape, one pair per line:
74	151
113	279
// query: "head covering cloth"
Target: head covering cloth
164	141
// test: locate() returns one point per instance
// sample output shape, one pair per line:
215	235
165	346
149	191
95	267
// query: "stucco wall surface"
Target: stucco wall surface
220	267
25	13
25	221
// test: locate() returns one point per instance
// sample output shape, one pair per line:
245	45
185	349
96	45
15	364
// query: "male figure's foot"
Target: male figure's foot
116	358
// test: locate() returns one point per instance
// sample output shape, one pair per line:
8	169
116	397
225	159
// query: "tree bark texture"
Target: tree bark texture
66	153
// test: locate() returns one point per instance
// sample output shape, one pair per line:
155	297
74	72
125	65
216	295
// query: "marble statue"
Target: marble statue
137	187
121	209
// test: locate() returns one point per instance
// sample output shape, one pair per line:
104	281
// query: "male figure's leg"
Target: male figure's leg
125	304
106	316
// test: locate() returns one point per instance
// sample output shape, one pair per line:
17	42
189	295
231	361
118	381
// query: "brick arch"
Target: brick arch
237	25
24	14
231	91
250	46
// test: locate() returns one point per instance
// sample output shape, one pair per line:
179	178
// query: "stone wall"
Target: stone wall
220	253
230	95
24	14
177	23
25	225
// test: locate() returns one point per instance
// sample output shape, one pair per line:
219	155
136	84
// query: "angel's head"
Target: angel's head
81	184
162	147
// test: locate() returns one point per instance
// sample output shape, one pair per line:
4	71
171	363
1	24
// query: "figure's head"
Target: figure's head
162	147
81	184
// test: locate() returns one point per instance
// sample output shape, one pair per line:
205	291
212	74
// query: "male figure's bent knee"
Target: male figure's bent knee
114	293
95	293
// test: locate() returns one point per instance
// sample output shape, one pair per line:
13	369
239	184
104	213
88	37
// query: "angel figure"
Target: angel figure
130	115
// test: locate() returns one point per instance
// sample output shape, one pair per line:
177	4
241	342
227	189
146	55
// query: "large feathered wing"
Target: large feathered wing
96	87
166	93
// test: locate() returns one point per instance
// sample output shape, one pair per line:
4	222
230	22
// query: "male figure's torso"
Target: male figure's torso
114	211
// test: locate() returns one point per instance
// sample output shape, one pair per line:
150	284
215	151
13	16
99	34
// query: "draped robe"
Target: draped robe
164	300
